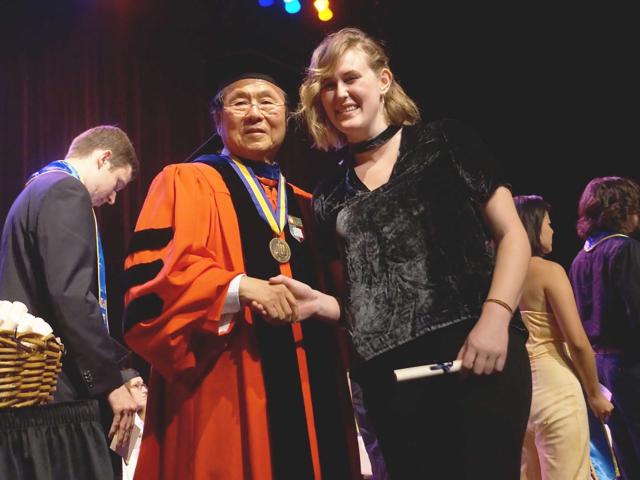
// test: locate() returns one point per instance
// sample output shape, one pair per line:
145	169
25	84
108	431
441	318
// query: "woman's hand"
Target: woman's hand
600	406
485	349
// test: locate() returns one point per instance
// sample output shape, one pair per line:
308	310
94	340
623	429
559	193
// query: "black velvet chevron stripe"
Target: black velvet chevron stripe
150	239
143	308
141	273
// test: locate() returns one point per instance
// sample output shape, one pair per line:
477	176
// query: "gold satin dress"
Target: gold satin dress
556	444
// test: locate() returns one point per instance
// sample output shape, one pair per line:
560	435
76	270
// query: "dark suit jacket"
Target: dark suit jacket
48	261
606	284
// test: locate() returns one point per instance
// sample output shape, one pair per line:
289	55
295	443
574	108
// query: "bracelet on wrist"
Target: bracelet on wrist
504	305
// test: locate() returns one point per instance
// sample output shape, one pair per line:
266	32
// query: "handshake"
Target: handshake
282	300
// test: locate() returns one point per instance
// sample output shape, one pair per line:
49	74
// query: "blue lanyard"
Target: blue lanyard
66	167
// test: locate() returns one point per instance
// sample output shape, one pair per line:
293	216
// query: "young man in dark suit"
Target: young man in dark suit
51	260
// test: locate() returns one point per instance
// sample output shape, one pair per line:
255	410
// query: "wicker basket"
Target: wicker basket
29	368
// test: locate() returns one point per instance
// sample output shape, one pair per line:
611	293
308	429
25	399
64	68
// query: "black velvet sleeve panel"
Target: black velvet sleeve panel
477	167
150	239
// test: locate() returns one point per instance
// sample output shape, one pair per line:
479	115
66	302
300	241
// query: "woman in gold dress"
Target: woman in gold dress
556	443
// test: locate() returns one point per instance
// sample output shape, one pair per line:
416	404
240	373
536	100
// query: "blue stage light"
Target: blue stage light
292	6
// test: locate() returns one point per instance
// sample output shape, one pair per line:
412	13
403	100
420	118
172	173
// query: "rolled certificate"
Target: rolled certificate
422	371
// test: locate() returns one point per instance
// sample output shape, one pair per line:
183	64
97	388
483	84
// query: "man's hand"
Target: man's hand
275	302
124	408
485	349
306	297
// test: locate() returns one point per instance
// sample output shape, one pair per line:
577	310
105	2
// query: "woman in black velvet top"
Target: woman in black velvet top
427	247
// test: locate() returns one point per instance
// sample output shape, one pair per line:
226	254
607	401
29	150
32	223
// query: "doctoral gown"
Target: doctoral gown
239	399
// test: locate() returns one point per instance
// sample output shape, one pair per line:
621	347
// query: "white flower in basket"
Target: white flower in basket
30	357
15	316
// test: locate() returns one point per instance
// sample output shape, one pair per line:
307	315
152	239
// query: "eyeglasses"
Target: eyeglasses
242	107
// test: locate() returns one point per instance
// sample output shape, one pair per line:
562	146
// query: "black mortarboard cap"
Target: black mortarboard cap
230	66
238	65
128	374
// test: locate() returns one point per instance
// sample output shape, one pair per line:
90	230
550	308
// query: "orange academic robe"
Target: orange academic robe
206	413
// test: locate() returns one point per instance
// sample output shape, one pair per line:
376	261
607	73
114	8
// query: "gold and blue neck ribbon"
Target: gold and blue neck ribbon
65	167
275	219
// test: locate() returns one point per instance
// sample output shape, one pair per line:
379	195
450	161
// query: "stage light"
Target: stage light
324	11
325	15
292	6
321	5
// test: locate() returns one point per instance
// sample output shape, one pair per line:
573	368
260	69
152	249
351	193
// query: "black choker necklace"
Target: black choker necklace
380	139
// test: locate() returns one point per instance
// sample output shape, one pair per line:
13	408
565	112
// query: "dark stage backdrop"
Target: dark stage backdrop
553	92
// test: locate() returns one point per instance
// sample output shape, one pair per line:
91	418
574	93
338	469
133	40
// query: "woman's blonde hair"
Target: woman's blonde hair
399	109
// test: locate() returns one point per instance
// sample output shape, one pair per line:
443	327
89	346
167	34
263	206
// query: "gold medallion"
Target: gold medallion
280	250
